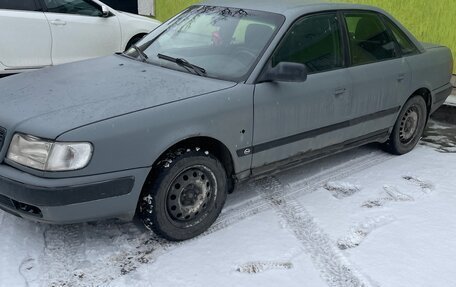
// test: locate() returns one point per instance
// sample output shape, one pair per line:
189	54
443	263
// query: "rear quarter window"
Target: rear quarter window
406	45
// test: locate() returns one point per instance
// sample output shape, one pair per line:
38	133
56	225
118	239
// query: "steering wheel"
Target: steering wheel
245	55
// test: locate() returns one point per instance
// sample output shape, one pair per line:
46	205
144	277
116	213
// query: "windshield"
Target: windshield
225	43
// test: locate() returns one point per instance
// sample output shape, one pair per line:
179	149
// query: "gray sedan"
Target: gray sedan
222	92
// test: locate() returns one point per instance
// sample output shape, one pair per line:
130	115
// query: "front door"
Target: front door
294	118
25	35
79	30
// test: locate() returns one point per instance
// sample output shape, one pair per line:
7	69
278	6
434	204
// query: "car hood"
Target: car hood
54	100
139	17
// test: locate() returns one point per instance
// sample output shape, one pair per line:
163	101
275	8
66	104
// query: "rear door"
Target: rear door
381	77
294	118
25	35
79	31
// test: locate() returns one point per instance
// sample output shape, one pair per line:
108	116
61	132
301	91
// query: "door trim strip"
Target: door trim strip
313	133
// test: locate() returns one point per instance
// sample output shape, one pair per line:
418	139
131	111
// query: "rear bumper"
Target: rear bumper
440	95
70	200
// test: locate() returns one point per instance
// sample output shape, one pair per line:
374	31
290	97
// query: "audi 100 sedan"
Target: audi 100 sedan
224	91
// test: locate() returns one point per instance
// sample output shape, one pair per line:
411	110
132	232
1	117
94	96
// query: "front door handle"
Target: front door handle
340	91
58	22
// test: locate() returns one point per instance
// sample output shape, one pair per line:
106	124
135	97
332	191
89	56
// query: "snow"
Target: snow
359	218
341	189
451	100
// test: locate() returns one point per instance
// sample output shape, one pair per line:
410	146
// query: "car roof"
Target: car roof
288	7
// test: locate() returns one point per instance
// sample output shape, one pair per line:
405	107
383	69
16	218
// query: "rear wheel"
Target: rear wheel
409	127
186	196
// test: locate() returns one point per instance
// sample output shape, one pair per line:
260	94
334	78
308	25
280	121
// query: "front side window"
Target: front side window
314	42
225	42
77	7
406	45
24	5
369	39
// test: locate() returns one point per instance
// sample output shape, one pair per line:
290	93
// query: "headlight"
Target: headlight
48	155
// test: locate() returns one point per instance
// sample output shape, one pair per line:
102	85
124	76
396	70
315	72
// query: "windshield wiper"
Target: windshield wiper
184	63
141	54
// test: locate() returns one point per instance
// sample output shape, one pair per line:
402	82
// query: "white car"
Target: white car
40	33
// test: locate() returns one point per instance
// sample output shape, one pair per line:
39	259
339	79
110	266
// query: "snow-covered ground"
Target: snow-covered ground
451	100
360	218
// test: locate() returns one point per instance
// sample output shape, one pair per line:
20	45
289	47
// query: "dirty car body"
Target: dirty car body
254	89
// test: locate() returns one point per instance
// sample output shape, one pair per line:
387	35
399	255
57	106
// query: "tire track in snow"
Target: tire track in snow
64	252
333	267
305	186
71	258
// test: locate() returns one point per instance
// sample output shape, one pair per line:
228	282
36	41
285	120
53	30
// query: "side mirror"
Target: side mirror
285	72
105	11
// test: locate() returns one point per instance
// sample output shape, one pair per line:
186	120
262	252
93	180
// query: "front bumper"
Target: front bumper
71	200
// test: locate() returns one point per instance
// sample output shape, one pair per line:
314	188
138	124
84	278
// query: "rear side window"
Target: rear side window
78	7
24	5
406	45
314	41
370	40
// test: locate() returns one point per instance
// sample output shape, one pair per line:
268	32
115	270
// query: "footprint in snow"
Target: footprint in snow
392	195
27	270
395	195
426	186
374	203
360	231
258	267
341	190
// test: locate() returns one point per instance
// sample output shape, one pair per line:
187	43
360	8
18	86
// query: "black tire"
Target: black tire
186	196
133	40
409	127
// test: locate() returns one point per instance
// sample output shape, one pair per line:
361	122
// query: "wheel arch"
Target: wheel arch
423	92
210	144
130	42
426	94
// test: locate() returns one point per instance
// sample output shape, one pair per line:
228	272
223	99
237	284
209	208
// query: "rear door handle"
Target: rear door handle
401	77
58	22
340	91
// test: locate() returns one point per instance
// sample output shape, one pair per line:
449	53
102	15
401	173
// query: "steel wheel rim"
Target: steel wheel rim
409	125
191	194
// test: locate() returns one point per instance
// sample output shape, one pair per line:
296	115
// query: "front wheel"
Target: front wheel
133	41
186	196
409	127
